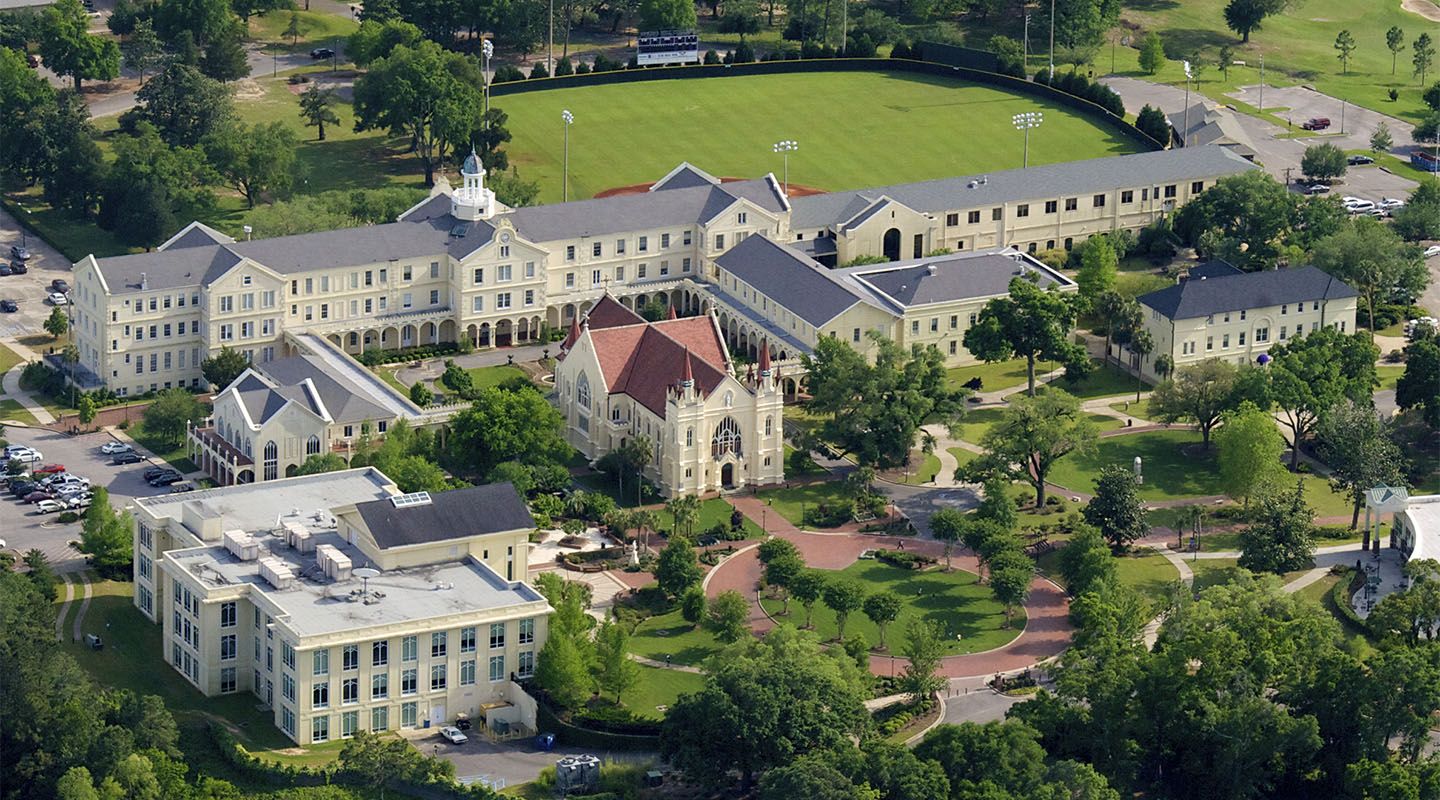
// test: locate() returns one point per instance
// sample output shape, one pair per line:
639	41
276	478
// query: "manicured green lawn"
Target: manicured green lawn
1229	541
963	456
1318	593
978	422
790	503
1134	409
12	410
1000	375
636	132
670	635
809	467
316	29
1171	468
955	600
1104	380
1389	376
606	484
923	467
387	374
133	658
485	377
8	359
1105	422
660	687
1148	573
1213	571
716	511
162	449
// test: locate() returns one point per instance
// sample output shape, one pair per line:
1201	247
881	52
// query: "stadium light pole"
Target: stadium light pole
1052	41
487	49
1024	121
569	119
785	148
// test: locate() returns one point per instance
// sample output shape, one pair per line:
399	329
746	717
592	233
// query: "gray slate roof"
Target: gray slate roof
169	269
195	234
1035	183
685	176
344	399
1201	297
456	514
630	212
796	282
937	280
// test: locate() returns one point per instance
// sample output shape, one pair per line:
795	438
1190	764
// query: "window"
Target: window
1209	342
1072	203
1282	333
1242	338
726	438
719	241
1022	210
529	297
379	685
145	566
408	649
595	249
502	300
502	273
1099	201
570	252
467	672
1262	335
1197	186
1225	341
379	718
972	217
1127	196
525	666
497	668
287	686
1051	206
467	640
1170	191
227	304
349	723
582	391
529	269
437	645
434	297
997	214
477	303
741	218
619	247
379	654
437	677
914	326
350	691
952	347
1242	315
320	694
350	657
272	461
497	635
227	647
287	721
408	681
227	680
405	274
287	655
409	714
320	729
951	220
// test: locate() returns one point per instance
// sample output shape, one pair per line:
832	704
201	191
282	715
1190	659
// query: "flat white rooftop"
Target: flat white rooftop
257	506
1424	514
315	605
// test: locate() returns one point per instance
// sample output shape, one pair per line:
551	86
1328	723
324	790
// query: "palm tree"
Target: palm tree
644	521
686	512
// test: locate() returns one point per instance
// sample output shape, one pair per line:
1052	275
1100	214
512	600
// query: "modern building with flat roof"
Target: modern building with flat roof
342	604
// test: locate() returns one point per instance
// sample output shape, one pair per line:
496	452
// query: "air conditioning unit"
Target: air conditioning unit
241	545
276	572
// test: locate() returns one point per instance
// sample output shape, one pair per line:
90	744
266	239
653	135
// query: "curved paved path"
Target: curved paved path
84	604
64	606
1047	628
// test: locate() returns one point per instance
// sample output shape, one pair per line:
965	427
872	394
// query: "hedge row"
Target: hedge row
1340	595
375	356
575	736
1006	82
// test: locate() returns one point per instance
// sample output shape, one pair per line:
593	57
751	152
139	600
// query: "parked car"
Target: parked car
60	285
49	469
18	267
22	488
38	495
5	270
26	455
126	457
154	471
49	507
165	479
20	252
1317	188
1357	160
9	306
1392	203
81	502
111	448
322	52
183	486
1432	251
1316	123
58	299
1360	207
454	735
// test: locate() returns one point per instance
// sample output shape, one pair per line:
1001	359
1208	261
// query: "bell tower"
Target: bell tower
472	201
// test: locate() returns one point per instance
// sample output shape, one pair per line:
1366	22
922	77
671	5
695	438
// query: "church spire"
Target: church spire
765	358
574	335
671	313
687	378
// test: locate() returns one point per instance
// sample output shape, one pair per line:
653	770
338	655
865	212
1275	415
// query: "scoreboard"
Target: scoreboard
655	48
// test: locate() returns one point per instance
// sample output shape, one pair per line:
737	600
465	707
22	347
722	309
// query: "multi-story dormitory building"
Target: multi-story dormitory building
344	605
461	266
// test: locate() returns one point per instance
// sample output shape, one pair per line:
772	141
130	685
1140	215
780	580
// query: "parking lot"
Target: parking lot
514	762
28	290
23	529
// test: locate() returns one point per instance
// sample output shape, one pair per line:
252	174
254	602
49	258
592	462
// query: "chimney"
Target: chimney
144	282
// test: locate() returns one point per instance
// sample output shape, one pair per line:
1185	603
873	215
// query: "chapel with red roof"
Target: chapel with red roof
671	382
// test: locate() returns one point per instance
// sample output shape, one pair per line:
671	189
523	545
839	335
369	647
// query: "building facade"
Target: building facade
460	266
352	607
1217	311
671	382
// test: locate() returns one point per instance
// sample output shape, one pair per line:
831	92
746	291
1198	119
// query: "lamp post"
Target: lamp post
785	147
569	119
1052	40
487	50
1024	121
1185	133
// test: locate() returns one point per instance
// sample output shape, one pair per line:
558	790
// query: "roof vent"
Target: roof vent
411	499
460	230
144	282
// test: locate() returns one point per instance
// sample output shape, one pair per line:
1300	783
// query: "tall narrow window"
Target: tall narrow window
726	438
272	461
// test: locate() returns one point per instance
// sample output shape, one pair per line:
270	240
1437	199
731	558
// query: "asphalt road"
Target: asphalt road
23	529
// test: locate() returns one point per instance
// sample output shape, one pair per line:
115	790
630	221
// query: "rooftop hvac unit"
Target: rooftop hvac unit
242	545
297	536
276	572
577	774
335	564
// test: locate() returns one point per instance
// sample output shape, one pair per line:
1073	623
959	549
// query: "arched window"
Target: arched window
272	461
726	439
582	391
689	437
312	445
769	425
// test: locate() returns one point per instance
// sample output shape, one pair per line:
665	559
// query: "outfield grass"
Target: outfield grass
955	600
636	132
791	502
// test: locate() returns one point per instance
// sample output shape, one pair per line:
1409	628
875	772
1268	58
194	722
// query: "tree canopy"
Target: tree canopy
68	47
1309	374
1031	323
1033	434
1200	393
221	369
1371	257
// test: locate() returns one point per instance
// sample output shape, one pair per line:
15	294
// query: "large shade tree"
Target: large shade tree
1030	323
1033	434
1311	373
1200	393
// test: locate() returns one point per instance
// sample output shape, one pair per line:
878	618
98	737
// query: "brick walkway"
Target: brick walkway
1047	630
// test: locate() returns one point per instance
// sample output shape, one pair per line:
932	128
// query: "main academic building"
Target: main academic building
461	266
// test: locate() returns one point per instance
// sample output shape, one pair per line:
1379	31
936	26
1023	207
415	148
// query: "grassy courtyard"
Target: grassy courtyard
791	502
670	635
910	114
486	377
12	410
970	616
658	689
1173	465
999	375
1144	570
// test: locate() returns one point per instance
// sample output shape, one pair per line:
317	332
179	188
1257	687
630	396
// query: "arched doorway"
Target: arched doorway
891	244
727	475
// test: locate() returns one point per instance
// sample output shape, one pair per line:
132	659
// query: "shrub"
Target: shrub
69	517
1054	259
904	559
711	57
825	515
508	74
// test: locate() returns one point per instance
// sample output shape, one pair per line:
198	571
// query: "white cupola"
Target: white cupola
472	201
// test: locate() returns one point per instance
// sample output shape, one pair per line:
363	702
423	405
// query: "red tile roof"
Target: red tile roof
608	313
647	360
